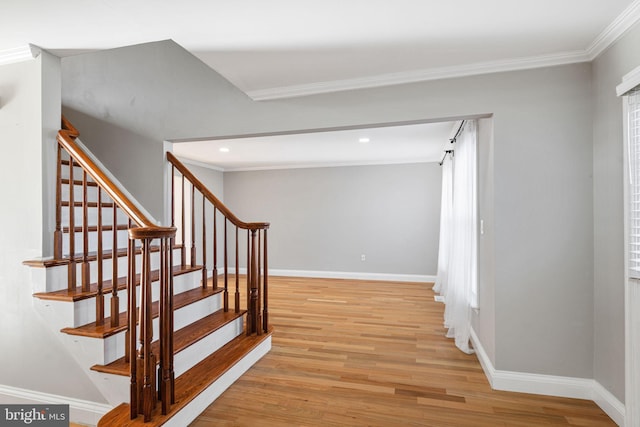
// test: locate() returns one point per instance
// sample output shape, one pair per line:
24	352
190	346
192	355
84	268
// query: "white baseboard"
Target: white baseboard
354	276
80	411
549	385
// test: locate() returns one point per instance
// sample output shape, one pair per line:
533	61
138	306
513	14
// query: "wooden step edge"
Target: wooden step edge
45	262
77	294
65	181
183	338
91	205
94	228
189	385
104	330
91	256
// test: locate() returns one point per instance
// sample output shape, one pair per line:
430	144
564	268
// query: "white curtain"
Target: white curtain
458	282
446	213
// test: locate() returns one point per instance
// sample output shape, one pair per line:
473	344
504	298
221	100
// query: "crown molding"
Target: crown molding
615	30
200	164
420	76
629	17
19	54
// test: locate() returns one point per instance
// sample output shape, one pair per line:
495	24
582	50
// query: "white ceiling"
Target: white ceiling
385	145
280	48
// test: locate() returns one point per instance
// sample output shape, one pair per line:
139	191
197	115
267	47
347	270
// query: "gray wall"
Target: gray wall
32	357
542	164
324	219
608	70
484	320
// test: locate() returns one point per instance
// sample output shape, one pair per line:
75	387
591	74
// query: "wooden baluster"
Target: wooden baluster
173	204
215	249
183	250
115	299
85	269
258	315
57	234
237	298
131	338
193	225
146	359
72	232
99	260
172	378
163	368
265	286
226	270
253	283
248	278
204	243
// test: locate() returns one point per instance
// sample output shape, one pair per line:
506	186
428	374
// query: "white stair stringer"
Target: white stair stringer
196	406
115	388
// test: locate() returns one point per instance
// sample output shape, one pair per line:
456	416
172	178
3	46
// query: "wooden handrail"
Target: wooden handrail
256	269
213	199
67	140
142	361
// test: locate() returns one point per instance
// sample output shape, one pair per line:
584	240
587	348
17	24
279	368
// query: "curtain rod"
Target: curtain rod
452	140
445	156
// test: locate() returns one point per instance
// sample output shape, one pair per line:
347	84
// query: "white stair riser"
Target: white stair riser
55	278
92	215
91	351
107	241
116	387
195	353
92	192
84	311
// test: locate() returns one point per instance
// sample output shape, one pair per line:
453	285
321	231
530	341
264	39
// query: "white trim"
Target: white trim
629	81
389	277
549	385
612	33
608	403
615	30
420	75
19	54
194	408
329	165
81	411
200	164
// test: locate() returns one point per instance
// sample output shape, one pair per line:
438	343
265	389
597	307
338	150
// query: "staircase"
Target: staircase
143	308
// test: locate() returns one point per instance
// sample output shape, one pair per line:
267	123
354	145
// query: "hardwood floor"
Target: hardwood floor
357	353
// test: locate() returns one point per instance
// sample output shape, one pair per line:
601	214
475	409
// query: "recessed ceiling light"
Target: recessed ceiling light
364	140
224	149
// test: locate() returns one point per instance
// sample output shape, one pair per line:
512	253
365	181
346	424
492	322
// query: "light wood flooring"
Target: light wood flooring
357	353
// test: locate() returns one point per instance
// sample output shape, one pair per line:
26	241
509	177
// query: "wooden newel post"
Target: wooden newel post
144	392
253	309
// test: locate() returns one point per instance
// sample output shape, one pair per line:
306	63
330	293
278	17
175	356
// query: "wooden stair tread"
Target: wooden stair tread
190	384
91	256
182	339
66	203
65	181
93	228
78	294
94	330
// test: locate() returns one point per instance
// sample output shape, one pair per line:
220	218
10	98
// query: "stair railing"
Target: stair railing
210	211
144	390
